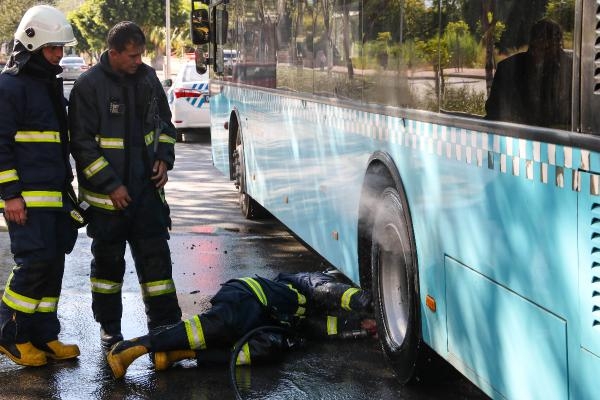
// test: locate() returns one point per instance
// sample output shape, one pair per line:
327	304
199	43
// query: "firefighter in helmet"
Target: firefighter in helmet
35	176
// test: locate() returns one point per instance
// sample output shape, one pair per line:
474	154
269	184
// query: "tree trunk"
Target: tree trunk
488	22
346	31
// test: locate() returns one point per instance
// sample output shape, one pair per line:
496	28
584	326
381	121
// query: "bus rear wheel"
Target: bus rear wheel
249	207
395	284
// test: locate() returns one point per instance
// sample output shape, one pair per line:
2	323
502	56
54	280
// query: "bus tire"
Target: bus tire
395	285
250	208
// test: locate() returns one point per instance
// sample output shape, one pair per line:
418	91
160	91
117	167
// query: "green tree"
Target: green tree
11	12
89	29
435	52
94	18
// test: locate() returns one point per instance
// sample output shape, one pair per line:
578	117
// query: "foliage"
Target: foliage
417	20
463	47
563	12
435	52
384	37
498	29
11	12
465	100
89	29
94	18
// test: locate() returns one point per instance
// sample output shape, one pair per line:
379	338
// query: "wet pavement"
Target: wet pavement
210	243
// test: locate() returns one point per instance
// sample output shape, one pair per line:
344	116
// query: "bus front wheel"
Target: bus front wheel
249	207
395	284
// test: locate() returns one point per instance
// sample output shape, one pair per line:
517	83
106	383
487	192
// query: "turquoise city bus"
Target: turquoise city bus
443	153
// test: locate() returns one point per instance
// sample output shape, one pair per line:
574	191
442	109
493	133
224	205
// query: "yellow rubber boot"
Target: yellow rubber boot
58	350
123	354
164	359
24	354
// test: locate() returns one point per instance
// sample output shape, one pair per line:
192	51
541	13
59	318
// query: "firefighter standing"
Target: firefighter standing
34	176
312	304
118	111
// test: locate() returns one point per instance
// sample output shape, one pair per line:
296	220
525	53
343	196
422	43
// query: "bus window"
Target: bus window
400	54
295	47
221	28
249	57
334	59
506	66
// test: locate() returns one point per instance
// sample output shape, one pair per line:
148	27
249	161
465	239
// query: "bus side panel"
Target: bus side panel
491	202
307	173
220	109
491	327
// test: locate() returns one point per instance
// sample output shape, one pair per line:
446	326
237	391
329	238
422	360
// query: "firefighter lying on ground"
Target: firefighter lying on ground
312	304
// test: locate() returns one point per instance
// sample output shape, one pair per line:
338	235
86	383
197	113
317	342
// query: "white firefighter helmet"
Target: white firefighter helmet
44	25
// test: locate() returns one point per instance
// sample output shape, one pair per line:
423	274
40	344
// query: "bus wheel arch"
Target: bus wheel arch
387	249
249	207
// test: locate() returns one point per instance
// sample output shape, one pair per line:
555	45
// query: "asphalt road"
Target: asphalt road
210	243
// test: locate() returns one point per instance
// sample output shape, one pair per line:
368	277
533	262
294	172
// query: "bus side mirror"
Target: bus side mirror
199	23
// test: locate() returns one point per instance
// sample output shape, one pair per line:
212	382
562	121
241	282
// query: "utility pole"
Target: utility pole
168	39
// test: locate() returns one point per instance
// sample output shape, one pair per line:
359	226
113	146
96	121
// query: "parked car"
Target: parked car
188	98
229	60
72	66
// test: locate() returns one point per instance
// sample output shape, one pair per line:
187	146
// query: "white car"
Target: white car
188	98
72	66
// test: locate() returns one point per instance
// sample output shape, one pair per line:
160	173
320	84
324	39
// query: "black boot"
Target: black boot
110	333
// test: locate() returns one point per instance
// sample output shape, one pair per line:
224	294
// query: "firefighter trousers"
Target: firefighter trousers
152	260
234	312
144	226
28	311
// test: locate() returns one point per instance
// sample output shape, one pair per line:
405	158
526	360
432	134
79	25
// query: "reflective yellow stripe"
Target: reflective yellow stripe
149	138
166	139
257	289
97	200
48	304
243	357
332	325
95	167
347	296
37	136
8	176
157	288
111	143
105	286
18	302
162	138
195	333
301	300
42	199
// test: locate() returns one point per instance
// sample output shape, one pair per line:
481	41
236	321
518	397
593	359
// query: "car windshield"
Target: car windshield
190	74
